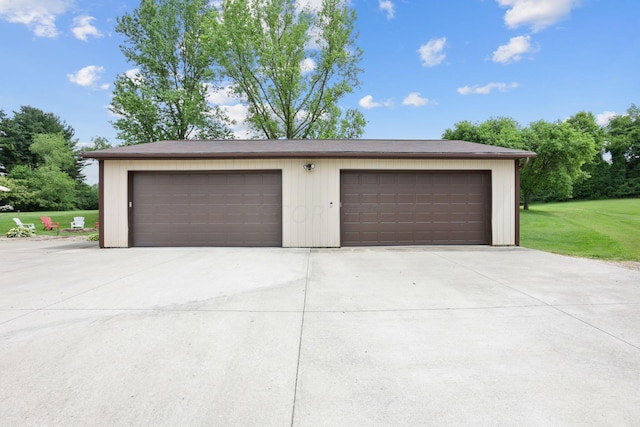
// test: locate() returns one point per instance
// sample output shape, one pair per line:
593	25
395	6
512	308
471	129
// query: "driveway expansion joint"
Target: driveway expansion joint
304	306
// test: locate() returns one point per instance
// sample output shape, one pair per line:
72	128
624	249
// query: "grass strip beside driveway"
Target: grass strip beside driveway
604	229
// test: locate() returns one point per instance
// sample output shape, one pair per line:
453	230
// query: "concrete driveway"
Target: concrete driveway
324	337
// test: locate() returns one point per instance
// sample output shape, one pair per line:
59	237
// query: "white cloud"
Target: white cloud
387	6
431	53
604	118
38	15
222	96
415	100
233	106
486	89
83	28
134	75
87	76
238	113
307	65
368	103
538	14
513	51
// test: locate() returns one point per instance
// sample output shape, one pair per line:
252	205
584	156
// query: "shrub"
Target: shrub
93	237
21	232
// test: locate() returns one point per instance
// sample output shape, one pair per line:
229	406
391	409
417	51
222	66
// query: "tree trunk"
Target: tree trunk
527	198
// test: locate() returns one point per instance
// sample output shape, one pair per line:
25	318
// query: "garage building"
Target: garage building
309	193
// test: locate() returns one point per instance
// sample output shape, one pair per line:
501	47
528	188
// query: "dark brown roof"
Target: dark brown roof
301	148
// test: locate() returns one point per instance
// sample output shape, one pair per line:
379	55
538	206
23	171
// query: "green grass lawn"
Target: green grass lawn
64	218
605	229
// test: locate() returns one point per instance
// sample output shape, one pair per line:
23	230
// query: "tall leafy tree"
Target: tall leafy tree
165	97
18	134
596	182
49	188
52	148
586	122
623	135
500	131
562	151
19	198
291	64
99	143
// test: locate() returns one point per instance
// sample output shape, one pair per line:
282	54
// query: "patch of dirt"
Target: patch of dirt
631	265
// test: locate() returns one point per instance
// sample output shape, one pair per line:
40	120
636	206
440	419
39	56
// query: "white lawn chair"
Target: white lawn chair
78	222
20	224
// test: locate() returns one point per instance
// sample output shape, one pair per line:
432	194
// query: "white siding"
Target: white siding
310	199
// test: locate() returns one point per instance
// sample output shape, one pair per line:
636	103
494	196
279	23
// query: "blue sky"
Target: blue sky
427	63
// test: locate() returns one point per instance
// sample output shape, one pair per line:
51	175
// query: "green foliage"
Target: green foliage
94	237
292	65
586	123
19	196
55	190
53	149
20	232
99	143
606	229
619	175
48	188
17	135
623	135
562	149
501	131
599	183
166	99
39	155
86	196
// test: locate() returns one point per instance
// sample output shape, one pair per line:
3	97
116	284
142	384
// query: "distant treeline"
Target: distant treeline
577	158
41	164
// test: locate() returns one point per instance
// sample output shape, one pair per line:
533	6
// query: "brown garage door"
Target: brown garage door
206	209
415	208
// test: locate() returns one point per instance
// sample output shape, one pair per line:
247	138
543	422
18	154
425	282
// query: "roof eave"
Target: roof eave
304	155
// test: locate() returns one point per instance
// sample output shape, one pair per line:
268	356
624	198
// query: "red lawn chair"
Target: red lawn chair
48	224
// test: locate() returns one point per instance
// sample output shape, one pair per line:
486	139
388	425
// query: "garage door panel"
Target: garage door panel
271	199
350	198
424	198
476	198
207	209
366	179
421	207
368	217
368	198
422	217
383	217
350	179
406	217
387	198
425	179
406	198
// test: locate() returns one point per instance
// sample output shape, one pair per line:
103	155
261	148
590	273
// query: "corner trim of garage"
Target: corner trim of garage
101	203
517	202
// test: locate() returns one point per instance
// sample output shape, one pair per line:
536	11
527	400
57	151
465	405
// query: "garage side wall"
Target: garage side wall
310	199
